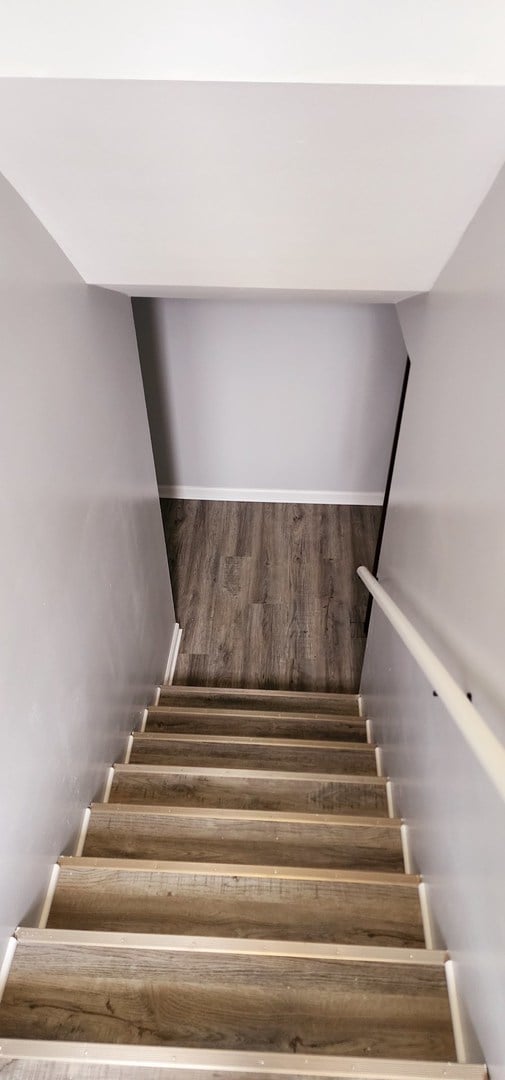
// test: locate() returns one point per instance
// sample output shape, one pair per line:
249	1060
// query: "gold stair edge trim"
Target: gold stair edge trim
227	814
256	774
248	1062
252	947
257	714
254	740
287	873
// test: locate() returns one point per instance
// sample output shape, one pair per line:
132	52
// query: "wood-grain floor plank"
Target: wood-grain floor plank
246	752
249	789
228	1000
185	899
237	836
255	722
323	704
268	592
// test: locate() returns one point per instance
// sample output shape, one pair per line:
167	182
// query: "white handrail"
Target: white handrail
487	748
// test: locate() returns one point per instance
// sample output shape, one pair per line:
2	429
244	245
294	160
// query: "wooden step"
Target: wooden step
282	700
243	836
350	907
220	993
255	723
243	752
26	1059
249	789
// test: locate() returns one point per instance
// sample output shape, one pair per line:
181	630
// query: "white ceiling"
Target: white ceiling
177	188
334	147
430	42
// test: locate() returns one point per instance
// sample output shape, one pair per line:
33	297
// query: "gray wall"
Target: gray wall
443	560
263	395
86	612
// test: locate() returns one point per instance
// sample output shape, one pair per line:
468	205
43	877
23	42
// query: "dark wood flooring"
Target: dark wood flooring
267	593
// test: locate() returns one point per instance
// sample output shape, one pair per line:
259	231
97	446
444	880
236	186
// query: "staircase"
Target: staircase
239	909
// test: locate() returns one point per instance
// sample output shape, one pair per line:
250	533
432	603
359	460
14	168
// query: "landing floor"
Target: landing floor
267	593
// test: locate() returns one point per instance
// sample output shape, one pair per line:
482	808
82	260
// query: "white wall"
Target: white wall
86	612
180	187
264	396
417	41
443	560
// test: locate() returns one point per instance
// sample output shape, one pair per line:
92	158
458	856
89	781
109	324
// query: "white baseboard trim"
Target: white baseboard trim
172	656
432	933
81	839
128	750
49	897
276	495
389	792
6	965
468	1048
411	866
108	784
379	764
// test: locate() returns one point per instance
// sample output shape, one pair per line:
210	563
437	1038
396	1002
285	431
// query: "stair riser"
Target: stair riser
220	698
166	750
231	906
347	729
128	835
244	793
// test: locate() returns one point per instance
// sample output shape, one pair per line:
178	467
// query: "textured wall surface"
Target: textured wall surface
86	614
443	562
268	395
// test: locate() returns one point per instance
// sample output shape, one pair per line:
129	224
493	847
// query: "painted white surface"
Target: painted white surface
150	185
277	495
86	613
396	41
193	292
486	747
443	562
265	395
172	659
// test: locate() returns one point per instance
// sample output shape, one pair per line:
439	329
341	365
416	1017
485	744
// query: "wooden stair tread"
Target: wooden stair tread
254	722
25	1059
239	751
243	836
254	789
332	704
228	994
230	900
